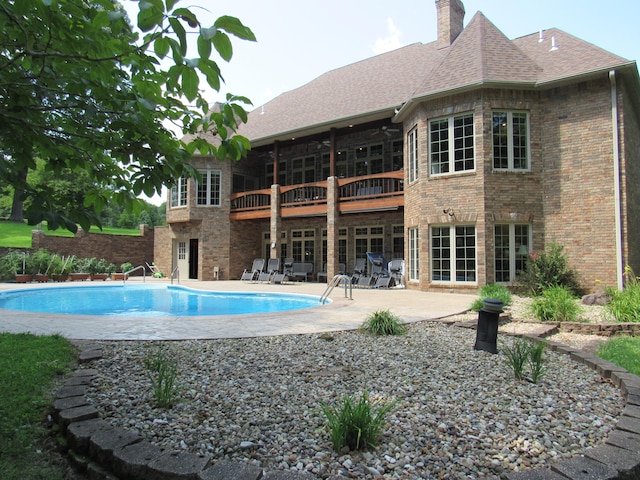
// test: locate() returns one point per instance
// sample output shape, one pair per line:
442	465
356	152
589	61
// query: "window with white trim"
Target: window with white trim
414	254
453	254
512	245
178	196
208	193
510	140
303	245
451	145
412	154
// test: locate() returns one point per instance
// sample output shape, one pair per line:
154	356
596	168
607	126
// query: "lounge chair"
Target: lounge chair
359	277
396	270
256	268
287	271
380	277
323	273
273	267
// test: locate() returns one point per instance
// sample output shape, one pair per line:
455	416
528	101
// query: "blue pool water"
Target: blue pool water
149	300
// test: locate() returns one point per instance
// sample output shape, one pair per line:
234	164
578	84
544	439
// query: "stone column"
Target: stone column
333	223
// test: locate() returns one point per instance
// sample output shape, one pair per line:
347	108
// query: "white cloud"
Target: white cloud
391	41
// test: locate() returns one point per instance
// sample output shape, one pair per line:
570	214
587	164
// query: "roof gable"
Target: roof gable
481	54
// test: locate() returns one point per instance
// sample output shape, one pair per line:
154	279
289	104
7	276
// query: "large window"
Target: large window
510	140
303	246
368	239
209	188
512	243
179	193
412	153
453	254
451	145
414	254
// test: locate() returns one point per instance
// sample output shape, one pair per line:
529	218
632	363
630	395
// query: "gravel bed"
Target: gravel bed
460	413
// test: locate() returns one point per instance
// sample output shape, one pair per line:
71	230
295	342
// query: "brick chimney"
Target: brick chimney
450	21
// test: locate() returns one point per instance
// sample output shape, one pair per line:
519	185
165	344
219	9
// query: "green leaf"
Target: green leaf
170	4
161	46
222	43
204	47
180	32
190	83
149	18
186	15
235	27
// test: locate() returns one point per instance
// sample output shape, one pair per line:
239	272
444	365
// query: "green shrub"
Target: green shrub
556	304
548	268
383	322
356	424
125	267
623	351
11	263
499	292
525	353
625	304
162	371
41	261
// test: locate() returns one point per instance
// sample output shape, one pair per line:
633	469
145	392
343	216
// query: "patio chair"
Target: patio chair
273	267
396	270
287	271
359	277
256	268
379	274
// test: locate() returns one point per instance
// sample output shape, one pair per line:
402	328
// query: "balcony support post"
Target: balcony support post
276	222
333	227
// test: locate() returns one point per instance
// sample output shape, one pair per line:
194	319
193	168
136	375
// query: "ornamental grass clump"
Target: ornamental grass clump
625	304
525	356
556	304
162	371
383	322
356	424
499	292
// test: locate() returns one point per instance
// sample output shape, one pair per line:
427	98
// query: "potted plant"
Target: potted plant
42	260
17	266
99	269
122	275
80	269
60	268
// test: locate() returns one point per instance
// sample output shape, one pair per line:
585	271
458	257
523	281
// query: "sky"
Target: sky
299	40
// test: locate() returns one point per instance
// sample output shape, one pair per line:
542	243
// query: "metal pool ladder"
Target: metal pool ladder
334	282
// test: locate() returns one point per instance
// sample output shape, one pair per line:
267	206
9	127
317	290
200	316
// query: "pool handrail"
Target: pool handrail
335	281
174	272
126	274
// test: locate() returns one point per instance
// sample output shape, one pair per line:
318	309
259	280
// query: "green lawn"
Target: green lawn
623	351
30	366
18	235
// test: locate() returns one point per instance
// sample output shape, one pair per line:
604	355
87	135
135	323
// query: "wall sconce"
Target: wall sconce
523	250
273	244
449	211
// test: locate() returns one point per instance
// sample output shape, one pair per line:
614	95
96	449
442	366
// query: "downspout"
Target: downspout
616	180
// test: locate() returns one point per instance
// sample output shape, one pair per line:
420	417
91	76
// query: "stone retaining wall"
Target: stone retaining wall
104	452
602	329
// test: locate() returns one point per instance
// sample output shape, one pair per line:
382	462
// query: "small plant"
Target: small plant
499	292
356	424
162	371
125	267
548	268
383	322
524	353
556	304
625	304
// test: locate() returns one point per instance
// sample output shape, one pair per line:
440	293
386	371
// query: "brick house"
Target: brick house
458	156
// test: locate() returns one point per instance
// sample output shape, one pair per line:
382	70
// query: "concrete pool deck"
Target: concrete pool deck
341	314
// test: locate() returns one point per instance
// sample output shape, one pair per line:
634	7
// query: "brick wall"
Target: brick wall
117	249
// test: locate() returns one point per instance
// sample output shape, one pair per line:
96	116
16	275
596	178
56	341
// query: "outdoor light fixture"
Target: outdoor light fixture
449	211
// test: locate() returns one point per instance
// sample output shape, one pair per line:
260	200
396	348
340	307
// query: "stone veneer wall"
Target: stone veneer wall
117	249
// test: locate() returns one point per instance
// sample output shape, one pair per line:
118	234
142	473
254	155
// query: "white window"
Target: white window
303	245
179	193
414	254
209	188
451	145
453	254
512	245
510	140
412	154
182	250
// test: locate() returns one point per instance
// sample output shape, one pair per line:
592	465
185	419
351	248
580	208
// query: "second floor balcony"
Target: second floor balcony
381	191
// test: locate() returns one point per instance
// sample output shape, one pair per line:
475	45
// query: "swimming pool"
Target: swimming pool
149	301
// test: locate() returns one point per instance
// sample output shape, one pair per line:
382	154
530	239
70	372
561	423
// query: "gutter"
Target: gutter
615	139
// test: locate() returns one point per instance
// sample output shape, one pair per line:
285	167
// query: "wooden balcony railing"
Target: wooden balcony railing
382	190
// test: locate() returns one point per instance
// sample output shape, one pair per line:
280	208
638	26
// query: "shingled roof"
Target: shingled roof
376	87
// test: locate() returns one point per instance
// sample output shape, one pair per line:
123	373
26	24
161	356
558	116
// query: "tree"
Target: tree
81	90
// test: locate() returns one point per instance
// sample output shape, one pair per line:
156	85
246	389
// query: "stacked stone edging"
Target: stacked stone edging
602	329
106	452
